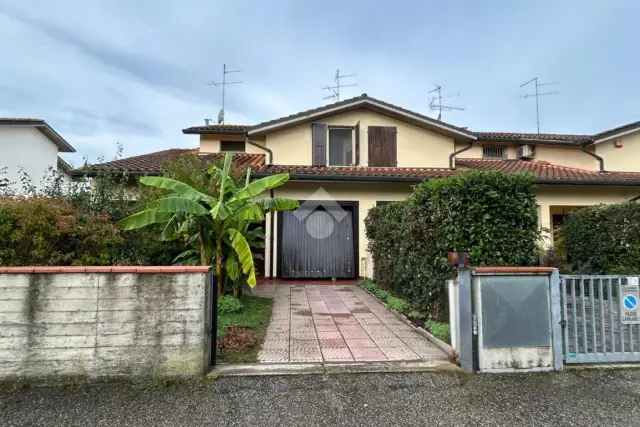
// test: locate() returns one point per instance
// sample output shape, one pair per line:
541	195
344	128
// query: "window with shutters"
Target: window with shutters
383	150
232	146
340	146
494	152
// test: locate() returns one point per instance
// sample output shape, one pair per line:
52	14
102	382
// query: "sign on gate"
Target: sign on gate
630	302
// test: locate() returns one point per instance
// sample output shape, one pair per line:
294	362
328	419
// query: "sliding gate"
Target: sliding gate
600	317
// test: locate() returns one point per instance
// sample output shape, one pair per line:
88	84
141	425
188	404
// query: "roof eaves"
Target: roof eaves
350	178
44	128
354	103
616	132
535	141
598	182
197	131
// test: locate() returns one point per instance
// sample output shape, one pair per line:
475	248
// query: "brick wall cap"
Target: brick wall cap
106	269
503	270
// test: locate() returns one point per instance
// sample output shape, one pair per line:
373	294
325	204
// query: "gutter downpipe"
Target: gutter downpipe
455	153
583	147
272	214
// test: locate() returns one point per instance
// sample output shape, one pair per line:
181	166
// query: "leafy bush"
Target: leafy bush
398	304
228	304
604	239
47	231
440	330
491	215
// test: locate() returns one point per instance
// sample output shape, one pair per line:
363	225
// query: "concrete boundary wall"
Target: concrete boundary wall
94	322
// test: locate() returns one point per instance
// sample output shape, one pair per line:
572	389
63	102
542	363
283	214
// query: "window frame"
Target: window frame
243	142
353	145
505	152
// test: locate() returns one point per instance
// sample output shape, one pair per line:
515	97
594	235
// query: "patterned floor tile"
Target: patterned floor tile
366	354
354	333
332	343
329	334
399	353
273	356
275	345
360	343
389	342
336	354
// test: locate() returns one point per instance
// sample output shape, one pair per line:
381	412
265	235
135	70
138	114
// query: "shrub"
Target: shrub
397	304
440	330
228	304
604	239
47	231
491	215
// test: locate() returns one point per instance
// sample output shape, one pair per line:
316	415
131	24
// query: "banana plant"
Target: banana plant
220	219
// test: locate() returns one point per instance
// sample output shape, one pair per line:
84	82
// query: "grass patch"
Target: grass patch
440	330
253	318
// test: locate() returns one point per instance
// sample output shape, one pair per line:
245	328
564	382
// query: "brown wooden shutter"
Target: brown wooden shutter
319	144
383	147
357	142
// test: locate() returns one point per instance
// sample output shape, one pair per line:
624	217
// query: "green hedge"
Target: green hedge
48	231
491	215
604	239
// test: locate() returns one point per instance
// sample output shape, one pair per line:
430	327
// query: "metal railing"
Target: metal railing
592	322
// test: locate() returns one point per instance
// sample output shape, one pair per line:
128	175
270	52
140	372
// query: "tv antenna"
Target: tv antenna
435	103
336	89
224	84
538	95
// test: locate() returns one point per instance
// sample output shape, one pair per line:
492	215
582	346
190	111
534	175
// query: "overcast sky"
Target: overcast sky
135	72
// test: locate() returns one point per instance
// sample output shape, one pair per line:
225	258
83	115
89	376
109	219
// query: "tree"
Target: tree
219	219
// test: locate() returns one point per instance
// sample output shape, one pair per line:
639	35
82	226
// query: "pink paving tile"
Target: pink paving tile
273	356
304	335
354	333
329	335
388	342
400	353
336	354
350	327
365	354
276	336
381	334
411	334
326	328
360	343
332	343
275	345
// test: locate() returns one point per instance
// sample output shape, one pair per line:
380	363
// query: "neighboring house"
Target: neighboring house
362	152
33	145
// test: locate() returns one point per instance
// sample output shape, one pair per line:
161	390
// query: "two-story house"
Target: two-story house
33	145
346	157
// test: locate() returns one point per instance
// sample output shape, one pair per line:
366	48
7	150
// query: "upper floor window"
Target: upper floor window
494	152
383	146
232	146
340	146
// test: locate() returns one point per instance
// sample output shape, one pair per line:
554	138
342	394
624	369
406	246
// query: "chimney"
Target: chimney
206	122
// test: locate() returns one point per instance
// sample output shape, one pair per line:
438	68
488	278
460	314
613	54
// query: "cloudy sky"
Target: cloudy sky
104	72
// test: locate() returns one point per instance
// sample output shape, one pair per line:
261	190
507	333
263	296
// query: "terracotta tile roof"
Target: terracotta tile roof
353	172
216	129
545	171
152	163
534	137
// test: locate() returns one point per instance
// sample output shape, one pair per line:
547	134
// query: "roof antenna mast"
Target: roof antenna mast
224	83
435	102
538	95
336	89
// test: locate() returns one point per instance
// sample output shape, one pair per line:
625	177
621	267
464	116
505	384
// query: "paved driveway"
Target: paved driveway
342	323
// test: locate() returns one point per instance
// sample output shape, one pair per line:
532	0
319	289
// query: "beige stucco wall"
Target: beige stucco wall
366	194
565	156
568	196
417	147
211	143
626	158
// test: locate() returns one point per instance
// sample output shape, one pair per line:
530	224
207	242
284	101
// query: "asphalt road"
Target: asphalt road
580	398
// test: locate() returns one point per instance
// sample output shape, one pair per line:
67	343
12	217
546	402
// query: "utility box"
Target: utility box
513	325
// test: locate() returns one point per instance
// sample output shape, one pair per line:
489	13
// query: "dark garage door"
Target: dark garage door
317	242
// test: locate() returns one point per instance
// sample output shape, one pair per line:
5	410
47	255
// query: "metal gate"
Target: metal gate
592	318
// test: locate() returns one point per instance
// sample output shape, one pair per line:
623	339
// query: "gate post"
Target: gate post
465	313
556	319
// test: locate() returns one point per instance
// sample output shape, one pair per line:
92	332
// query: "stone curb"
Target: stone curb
264	369
446	348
